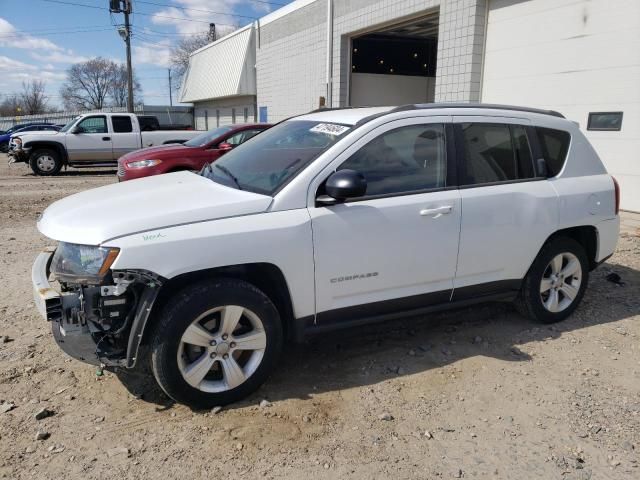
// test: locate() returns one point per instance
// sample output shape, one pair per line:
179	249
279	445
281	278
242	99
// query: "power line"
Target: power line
2	37
150	32
195	9
74	4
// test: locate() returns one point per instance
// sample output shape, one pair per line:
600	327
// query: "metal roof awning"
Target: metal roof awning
223	68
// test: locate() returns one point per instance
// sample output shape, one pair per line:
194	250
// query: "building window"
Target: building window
217	118
206	120
605	121
246	114
233	115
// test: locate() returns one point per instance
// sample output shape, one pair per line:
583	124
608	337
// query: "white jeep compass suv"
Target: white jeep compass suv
327	220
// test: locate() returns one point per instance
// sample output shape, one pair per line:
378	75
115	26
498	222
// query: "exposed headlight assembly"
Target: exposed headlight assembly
143	163
84	264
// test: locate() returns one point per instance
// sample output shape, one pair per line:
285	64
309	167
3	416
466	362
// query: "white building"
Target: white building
580	57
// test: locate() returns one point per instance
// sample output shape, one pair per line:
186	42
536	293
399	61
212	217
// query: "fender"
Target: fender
57	146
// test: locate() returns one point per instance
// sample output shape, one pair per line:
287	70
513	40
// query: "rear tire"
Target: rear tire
215	343
556	282
4	147
45	162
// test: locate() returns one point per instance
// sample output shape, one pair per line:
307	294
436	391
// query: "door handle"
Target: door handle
436	212
106	139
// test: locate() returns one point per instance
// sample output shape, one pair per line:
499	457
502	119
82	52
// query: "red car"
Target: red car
191	155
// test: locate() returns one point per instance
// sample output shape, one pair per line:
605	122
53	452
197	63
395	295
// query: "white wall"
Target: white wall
373	90
206	113
575	57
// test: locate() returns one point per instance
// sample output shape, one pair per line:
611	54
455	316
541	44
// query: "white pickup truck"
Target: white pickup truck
94	139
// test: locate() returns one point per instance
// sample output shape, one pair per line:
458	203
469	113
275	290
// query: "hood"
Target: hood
95	216
36	133
160	151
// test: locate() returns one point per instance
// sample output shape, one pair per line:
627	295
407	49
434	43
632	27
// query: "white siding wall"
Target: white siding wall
206	113
575	57
291	50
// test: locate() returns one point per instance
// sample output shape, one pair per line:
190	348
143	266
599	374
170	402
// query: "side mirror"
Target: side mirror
77	129
541	167
342	185
225	147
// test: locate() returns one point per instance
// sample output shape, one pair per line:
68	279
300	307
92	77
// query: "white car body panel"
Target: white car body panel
179	223
143	205
279	238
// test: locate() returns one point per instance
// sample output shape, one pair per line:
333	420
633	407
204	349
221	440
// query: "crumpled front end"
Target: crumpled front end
97	324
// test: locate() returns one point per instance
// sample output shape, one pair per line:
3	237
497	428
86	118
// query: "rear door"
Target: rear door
125	139
508	211
93	143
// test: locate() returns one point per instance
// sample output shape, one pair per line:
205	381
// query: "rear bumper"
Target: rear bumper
63	310
608	234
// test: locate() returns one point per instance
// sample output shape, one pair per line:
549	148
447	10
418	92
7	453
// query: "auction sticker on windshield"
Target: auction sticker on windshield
330	128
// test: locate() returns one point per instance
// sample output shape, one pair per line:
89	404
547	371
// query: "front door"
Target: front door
395	249
92	143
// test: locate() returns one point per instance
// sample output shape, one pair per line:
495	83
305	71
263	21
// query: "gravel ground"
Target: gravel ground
477	393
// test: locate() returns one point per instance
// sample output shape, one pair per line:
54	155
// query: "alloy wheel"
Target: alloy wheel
221	348
561	282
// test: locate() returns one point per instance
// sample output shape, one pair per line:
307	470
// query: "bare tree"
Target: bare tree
119	88
34	100
88	84
185	47
11	106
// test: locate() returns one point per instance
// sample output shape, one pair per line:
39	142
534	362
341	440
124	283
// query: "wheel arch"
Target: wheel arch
41	144
266	277
586	236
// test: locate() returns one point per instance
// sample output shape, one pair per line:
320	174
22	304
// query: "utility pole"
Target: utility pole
124	6
127	40
170	98
212	32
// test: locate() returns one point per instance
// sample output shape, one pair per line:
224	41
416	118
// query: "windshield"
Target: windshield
68	125
206	137
275	156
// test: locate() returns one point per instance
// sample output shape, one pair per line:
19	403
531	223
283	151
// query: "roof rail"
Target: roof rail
328	109
427	106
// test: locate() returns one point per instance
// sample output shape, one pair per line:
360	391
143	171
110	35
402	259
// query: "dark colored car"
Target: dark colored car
191	155
24	127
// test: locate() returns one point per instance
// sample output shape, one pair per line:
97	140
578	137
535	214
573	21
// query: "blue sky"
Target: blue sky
41	38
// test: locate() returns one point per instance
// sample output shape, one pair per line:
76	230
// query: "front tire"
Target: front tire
556	282
45	162
216	343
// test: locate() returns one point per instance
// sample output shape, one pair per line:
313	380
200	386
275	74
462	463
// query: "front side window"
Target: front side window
274	157
122	124
207	137
94	125
405	159
494	153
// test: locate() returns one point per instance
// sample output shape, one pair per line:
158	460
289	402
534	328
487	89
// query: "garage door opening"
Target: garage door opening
395	65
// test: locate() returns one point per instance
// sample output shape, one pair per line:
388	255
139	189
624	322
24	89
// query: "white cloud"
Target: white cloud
59	57
157	53
198	17
12	38
7	63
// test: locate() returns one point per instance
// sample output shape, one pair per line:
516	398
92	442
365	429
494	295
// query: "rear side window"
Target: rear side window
554	145
494	153
122	124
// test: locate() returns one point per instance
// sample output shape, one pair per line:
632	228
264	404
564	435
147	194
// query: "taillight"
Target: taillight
617	194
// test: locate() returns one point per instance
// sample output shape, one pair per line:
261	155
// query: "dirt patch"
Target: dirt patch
479	393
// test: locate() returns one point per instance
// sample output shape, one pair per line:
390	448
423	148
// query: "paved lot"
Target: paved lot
479	393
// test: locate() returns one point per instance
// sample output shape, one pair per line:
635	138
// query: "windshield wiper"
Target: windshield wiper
229	174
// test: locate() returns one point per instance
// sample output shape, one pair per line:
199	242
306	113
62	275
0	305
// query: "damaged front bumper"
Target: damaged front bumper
100	325
18	154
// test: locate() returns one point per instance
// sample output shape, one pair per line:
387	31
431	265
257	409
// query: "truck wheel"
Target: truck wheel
215	343
556	282
45	162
